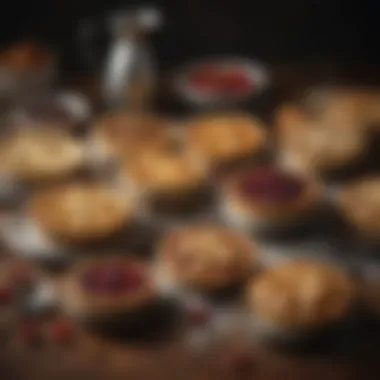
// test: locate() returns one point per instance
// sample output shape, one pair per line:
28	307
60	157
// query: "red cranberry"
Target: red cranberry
61	331
237	82
271	185
113	279
6	295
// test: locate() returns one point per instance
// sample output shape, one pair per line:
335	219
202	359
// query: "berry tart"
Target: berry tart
268	199
113	295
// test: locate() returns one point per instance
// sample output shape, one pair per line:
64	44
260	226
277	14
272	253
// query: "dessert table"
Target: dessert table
87	357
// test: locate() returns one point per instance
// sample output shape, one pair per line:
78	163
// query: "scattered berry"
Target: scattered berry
61	331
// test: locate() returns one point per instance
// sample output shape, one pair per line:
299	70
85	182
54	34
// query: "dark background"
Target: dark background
272	30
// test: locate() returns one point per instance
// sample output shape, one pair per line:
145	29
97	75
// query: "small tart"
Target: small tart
165	169
270	193
312	146
217	138
207	256
106	286
40	154
358	107
122	134
359	202
301	294
80	211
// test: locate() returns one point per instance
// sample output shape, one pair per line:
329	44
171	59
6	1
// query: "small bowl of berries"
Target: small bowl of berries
211	83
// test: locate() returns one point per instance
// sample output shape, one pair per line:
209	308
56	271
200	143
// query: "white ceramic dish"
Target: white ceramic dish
255	72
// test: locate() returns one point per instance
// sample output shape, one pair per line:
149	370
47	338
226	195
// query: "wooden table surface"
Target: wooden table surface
88	358
85	359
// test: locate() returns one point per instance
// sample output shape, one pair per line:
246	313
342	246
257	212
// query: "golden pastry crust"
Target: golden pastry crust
164	170
359	202
80	212
288	118
223	137
301	294
207	256
41	154
123	134
78	300
339	106
318	148
307	200
318	141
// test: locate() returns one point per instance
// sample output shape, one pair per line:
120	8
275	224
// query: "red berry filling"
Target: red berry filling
271	185
212	78
114	279
236	81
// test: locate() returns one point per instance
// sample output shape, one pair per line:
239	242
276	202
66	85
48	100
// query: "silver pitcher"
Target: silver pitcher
127	68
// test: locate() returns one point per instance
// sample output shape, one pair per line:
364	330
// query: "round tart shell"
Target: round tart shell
301	295
202	137
354	204
28	172
240	266
87	304
48	209
296	132
124	134
267	210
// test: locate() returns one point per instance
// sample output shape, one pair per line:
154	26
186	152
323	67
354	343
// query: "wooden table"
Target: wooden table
85	359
